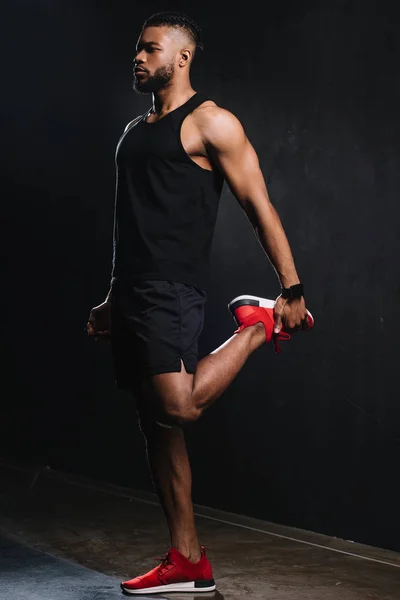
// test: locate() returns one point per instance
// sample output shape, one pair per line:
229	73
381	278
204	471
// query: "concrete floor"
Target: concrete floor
119	532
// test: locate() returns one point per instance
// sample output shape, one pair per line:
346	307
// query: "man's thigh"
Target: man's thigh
155	330
170	392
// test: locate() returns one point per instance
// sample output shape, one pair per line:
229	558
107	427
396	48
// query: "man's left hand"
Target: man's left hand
290	314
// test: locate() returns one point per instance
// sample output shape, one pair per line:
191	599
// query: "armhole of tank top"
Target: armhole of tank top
179	140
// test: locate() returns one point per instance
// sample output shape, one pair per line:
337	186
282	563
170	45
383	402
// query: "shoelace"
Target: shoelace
165	562
282	336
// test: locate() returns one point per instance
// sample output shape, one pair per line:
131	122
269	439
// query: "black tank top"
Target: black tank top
165	205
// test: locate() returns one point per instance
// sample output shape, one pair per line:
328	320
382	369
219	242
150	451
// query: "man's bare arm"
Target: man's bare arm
233	153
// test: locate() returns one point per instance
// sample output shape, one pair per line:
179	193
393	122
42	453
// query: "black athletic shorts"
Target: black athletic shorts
154	324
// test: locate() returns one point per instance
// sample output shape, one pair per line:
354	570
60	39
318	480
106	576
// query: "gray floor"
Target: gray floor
46	577
120	532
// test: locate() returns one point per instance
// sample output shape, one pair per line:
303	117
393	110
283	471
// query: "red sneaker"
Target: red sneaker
175	574
248	310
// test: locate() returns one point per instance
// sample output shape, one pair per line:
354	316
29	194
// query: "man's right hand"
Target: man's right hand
98	325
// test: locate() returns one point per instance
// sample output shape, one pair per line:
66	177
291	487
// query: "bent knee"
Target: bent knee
178	414
173	415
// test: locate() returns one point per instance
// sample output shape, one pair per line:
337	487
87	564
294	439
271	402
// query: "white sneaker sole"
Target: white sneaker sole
256	301
253	300
187	586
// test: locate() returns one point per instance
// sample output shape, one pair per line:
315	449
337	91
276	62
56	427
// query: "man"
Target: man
171	164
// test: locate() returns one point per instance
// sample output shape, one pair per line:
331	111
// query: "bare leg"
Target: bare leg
218	369
166	448
193	393
172	477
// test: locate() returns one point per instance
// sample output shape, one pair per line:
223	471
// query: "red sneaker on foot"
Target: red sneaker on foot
175	574
249	310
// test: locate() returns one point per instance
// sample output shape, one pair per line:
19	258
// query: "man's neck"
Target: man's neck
166	100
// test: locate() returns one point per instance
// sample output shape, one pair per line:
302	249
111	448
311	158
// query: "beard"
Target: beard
152	83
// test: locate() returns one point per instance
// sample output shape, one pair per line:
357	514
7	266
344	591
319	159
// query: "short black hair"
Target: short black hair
174	18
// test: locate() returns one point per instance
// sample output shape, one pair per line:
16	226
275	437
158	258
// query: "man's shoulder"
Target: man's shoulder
211	118
208	110
208	113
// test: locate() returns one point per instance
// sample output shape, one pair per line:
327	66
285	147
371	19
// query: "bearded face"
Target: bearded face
146	83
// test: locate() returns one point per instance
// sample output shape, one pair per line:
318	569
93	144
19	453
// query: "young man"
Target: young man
170	165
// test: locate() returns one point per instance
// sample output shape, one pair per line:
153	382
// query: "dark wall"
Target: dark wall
308	438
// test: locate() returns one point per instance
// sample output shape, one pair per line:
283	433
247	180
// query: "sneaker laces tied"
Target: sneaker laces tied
165	563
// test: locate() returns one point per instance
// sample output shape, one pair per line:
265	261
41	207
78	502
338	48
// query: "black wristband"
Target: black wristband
294	291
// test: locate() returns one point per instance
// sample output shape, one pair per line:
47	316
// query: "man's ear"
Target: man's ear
186	56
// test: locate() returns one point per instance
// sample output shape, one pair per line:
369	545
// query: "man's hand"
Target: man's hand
291	314
98	325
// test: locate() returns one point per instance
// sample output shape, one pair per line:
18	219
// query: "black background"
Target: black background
308	438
